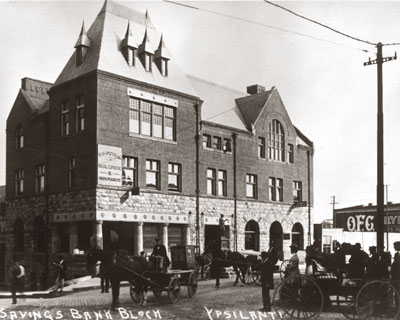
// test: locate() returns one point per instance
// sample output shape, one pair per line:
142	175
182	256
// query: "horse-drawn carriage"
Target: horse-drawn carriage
183	273
306	296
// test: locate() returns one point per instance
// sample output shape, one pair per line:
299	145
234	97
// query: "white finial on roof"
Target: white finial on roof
128	41
83	39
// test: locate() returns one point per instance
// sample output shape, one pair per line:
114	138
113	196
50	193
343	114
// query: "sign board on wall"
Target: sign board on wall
109	165
366	222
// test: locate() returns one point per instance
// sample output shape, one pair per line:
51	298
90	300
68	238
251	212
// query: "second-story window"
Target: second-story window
19	137
290	153
174	177
206	141
272	189
251	186
39	178
19	182
217	144
211	183
279	189
152	119
297	191
221	189
153	174
276	141
80	113
65	118
261	147
129	171
71	172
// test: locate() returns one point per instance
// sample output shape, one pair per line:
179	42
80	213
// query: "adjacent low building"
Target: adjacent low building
357	224
124	147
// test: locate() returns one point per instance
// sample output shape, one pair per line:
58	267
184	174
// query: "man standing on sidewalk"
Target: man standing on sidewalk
17	275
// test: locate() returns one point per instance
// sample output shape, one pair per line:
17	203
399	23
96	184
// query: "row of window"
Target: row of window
273	146
152	119
216	143
146	59
40	172
80	115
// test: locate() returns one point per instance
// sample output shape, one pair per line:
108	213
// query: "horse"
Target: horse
222	259
118	266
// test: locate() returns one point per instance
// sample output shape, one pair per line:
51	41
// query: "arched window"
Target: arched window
252	236
39	234
276	236
298	235
19	137
19	235
276	141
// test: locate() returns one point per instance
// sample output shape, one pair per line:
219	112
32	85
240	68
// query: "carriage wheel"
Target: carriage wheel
349	307
173	290
283	267
157	293
192	284
136	296
378	299
249	277
298	297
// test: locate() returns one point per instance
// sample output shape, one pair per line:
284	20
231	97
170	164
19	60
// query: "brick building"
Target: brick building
124	147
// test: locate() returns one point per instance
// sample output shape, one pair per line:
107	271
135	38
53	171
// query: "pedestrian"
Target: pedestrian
104	278
293	266
17	277
61	273
268	261
160	256
372	263
395	268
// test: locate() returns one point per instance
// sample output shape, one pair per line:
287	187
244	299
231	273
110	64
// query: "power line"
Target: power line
320	24
266	25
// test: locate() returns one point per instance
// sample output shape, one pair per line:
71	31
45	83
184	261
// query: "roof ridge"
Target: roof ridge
215	84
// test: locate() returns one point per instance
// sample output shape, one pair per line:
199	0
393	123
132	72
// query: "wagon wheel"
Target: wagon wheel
349	307
299	297
173	290
136	296
192	284
248	276
378	299
283	267
157	293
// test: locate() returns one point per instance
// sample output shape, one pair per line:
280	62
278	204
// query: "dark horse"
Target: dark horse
118	266
204	261
223	259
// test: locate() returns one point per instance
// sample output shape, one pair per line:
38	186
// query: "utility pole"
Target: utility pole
387	217
333	206
380	204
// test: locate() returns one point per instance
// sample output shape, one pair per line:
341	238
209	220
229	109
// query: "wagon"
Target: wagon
305	296
183	273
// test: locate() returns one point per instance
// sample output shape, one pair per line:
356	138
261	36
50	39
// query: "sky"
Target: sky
329	95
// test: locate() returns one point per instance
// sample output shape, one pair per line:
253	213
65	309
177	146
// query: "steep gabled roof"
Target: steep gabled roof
252	106
106	34
219	104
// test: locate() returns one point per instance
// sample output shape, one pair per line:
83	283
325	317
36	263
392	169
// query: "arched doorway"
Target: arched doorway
298	235
276	235
252	236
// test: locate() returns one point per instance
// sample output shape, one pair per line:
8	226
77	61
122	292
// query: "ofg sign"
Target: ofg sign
366	222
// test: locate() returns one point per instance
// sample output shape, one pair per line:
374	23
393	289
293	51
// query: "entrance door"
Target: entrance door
276	235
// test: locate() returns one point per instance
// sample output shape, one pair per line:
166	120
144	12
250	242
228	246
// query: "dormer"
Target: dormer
129	47
82	46
146	52
161	58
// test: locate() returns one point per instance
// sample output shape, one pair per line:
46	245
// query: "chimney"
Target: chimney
255	88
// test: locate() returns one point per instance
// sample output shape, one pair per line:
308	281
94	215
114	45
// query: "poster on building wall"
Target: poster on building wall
366	222
109	162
